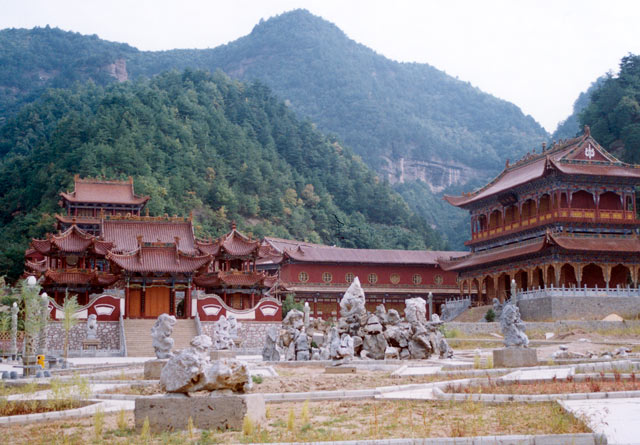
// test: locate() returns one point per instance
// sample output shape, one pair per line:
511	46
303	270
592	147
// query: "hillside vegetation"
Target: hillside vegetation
389	113
614	111
196	141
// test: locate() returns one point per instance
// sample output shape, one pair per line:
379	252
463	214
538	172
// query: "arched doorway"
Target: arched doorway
610	201
568	276
495	219
503	287
522	280
620	276
592	276
490	291
545	204
551	276
538	278
582	200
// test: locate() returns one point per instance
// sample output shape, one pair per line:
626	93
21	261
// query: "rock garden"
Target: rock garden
368	377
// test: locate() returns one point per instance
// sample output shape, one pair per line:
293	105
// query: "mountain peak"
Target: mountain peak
297	23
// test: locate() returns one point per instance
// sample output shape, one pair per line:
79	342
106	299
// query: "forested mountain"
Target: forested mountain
383	109
412	123
570	127
614	111
201	142
33	60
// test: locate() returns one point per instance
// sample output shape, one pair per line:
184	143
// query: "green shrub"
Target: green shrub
490	316
290	303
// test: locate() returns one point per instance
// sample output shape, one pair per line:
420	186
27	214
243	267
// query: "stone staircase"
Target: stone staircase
138	336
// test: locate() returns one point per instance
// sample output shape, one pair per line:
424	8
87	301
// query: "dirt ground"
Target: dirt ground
322	421
564	387
303	379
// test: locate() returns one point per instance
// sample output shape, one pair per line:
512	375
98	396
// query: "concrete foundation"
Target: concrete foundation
153	368
220	411
514	357
340	370
222	354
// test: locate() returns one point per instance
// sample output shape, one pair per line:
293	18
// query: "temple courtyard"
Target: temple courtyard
462	400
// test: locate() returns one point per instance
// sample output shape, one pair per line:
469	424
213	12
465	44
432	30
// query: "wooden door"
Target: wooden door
156	301
134	303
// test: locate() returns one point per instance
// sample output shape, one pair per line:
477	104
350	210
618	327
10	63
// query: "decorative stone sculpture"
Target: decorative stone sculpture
234	325
366	335
270	351
44	318
302	347
161	336
416	310
191	370
374	343
515	353
294	319
307	310
92	327
513	327
221	334
345	351
514	290
352	303
497	308
14	329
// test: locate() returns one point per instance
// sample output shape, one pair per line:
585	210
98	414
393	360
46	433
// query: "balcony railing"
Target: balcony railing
559	215
601	292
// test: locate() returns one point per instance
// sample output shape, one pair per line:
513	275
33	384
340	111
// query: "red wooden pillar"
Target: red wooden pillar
127	300
143	297
252	300
187	303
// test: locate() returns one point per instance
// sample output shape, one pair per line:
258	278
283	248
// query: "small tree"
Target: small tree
490	316
69	308
30	298
290	303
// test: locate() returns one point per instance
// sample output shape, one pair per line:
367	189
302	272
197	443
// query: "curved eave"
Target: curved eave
136	200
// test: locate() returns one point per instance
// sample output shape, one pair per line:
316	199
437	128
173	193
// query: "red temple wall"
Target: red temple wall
289	273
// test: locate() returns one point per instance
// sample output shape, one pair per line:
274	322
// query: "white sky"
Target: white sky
537	54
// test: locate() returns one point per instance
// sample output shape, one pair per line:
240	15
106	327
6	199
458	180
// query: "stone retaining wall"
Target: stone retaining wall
552	326
108	334
252	333
578	307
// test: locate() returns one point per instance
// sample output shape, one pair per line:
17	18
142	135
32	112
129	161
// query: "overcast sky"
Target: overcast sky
537	54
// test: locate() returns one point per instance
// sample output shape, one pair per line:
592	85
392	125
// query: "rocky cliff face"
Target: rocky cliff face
118	70
438	175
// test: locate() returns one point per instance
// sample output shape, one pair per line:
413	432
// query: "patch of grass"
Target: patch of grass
257	379
98	423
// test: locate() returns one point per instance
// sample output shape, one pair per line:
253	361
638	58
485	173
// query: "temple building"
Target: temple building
92	199
156	265
320	274
565	217
233	275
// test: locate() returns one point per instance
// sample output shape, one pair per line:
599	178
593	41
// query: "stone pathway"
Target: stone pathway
416	370
527	375
617	419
